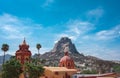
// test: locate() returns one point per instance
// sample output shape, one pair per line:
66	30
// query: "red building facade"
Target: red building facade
23	54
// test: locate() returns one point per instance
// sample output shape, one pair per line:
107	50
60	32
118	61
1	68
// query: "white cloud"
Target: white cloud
119	32
110	54
108	34
9	28
98	12
79	27
90	44
12	32
42	50
13	27
82	29
100	51
67	35
64	35
47	3
7	18
86	37
76	29
95	14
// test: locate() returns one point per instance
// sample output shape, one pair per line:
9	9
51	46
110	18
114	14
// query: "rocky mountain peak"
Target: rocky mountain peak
64	40
60	45
83	62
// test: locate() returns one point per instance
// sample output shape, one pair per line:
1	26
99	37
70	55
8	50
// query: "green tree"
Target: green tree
0	74
34	61
38	46
11	69
43	61
34	71
116	68
5	48
12	57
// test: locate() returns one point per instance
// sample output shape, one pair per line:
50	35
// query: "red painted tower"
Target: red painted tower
23	54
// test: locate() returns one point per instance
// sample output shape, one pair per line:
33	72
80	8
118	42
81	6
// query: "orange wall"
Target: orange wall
51	74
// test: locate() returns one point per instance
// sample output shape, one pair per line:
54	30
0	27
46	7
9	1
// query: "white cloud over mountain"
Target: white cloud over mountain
89	39
84	33
109	34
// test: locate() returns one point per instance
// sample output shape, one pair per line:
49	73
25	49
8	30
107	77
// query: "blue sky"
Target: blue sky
93	25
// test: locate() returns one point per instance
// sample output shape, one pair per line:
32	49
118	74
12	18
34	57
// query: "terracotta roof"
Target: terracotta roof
60	69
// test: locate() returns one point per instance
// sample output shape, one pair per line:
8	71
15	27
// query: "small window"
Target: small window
68	64
26	59
56	73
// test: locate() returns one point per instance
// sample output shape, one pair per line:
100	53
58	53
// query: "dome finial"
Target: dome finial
24	42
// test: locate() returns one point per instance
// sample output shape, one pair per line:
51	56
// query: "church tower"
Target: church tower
23	54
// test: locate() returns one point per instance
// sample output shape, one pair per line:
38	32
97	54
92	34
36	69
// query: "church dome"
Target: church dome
65	58
66	61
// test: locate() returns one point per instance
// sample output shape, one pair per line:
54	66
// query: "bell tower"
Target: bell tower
23	54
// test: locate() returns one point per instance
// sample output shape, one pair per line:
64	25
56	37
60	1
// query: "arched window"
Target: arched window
26	59
68	64
63	65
